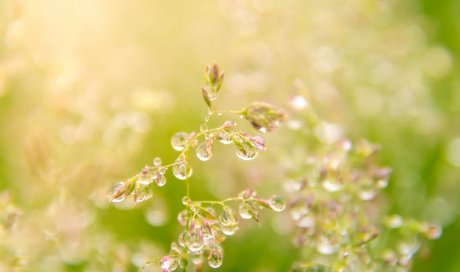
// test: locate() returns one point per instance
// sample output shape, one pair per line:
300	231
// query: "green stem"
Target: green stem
222	203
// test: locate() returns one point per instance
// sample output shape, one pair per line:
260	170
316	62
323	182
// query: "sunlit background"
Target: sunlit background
91	91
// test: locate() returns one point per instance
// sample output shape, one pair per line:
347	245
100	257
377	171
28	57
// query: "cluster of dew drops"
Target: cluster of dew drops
140	186
206	228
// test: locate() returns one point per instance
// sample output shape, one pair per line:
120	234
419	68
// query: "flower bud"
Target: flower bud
263	116
214	76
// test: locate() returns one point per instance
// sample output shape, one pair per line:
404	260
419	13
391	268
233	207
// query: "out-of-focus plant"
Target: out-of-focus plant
10	260
335	203
207	223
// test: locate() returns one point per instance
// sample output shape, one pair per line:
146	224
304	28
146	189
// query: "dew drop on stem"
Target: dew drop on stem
245	211
182	169
277	203
204	150
179	141
244	149
215	258
160	179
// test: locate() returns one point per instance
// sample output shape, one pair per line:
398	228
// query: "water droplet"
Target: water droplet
182	169
157	161
247	194
211	213
215	258
144	180
179	141
118	192
145	176
245	211
228	216
204	150
208	232
246	152
223	137
244	148
229	229
160	179
277	203
185	200
332	185
142	192
182	217
167	264
228	221
195	238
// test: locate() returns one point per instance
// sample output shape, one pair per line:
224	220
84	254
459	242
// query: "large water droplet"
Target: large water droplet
204	150
215	258
277	203
179	141
182	169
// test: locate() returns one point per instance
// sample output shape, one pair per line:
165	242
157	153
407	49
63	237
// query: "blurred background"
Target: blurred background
91	91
